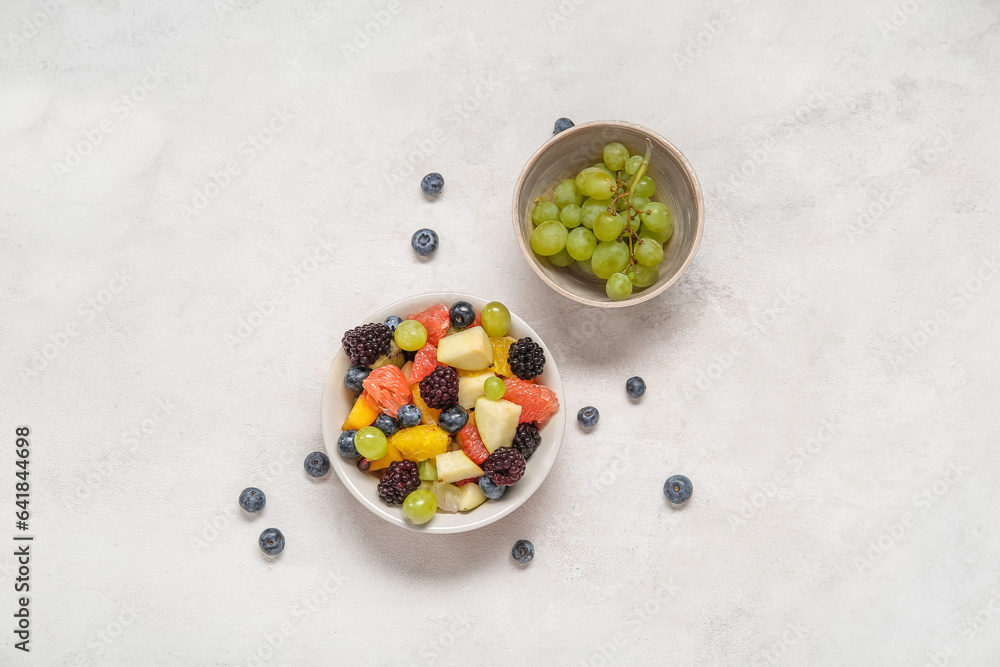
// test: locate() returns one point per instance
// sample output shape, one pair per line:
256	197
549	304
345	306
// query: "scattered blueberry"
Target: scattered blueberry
345	445
317	464
453	419
424	241
386	424
432	183
523	551
364	464
677	489
635	386
588	416
562	124
271	541
408	415
355	377
252	499
492	491
462	314
392	322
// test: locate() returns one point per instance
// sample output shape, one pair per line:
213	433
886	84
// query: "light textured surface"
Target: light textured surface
848	153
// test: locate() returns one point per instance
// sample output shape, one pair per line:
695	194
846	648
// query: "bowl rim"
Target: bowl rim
343	468
646	295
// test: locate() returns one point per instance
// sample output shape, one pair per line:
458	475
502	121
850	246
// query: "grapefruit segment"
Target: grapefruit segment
537	402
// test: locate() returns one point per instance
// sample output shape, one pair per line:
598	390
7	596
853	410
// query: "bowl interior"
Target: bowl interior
581	146
338	399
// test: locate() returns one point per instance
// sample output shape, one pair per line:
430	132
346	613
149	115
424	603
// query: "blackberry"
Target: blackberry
504	466
440	388
367	343
398	481
526	439
526	358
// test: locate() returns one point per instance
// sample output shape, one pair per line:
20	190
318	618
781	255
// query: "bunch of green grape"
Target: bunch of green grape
605	222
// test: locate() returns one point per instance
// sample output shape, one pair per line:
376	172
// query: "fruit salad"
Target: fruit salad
604	223
447	407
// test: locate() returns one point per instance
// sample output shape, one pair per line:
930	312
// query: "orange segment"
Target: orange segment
429	414
501	349
392	455
420	442
362	414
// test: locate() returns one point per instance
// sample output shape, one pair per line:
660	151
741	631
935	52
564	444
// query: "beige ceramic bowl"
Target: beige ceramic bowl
581	146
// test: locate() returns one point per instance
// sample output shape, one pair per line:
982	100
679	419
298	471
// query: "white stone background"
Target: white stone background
848	154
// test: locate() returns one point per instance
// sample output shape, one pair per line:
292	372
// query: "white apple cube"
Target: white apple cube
469	350
456	466
471	498
497	422
471	387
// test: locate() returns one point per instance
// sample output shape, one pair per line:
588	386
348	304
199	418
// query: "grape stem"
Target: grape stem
627	196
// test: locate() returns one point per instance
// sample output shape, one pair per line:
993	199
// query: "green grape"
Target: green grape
496	319
608	226
581	243
659	237
643	276
645	187
494	388
420	506
543	211
605	168
570	216
609	257
640	203
632	164
410	335
561	258
428	470
634	224
371	443
648	252
578	181
618	287
566	194
549	238
598	184
585	266
656	216
590	210
615	156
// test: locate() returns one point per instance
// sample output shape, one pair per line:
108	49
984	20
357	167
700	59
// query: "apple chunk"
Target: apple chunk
497	422
471	387
469	350
471	498
456	466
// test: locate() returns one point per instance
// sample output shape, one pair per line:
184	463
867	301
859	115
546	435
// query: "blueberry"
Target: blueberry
635	386
317	464
562	124
677	489
345	445
424	241
392	322
462	314
492	491
453	419
252	499
523	551
432	183
355	376
271	541
408	415
386	424
588	416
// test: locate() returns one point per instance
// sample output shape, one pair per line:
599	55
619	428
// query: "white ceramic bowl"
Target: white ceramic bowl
338	399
